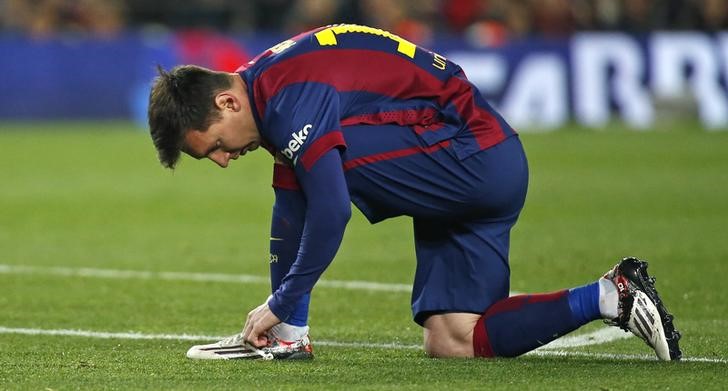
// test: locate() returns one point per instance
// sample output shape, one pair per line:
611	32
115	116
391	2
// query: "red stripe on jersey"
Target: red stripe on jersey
320	146
421	120
380	73
378	157
482	124
424	116
284	177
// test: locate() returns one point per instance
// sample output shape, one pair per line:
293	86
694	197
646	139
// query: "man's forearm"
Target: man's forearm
327	211
289	213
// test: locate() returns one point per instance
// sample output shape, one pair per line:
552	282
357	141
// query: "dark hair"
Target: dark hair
180	100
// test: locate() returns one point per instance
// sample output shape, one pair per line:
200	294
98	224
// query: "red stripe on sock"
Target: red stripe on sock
515	302
509	304
481	343
541	297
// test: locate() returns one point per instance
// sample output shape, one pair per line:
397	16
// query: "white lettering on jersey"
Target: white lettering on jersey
296	141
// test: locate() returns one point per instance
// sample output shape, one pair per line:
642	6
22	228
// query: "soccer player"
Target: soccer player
356	114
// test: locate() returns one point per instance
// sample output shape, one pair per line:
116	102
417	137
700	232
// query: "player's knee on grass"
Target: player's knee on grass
449	335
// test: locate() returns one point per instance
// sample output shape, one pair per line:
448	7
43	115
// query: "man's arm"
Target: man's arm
328	211
287	220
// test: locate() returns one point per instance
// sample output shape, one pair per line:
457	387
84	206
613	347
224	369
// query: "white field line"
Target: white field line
600	336
178	337
610	356
603	335
594	338
183	276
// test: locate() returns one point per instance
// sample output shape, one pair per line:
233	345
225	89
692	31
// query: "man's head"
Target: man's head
203	113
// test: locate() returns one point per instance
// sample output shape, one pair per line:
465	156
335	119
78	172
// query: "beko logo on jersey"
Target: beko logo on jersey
297	140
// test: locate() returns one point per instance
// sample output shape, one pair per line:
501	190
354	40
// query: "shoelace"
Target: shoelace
237	339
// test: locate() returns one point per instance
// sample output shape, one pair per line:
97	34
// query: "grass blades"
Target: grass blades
92	195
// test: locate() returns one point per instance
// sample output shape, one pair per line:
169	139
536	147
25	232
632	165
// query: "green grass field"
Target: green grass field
81	202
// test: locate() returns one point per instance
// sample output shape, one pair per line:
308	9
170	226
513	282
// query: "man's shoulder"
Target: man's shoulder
284	50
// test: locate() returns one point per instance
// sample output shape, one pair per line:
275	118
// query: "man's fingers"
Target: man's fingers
258	341
247	329
256	336
257	325
261	341
251	334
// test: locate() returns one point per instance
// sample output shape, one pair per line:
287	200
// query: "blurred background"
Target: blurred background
543	63
622	106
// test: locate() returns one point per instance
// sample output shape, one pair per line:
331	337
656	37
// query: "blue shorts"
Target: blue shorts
462	211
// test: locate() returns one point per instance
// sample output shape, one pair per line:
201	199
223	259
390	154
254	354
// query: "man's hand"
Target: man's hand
259	321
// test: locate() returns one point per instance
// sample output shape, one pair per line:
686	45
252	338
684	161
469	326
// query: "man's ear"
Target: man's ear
227	100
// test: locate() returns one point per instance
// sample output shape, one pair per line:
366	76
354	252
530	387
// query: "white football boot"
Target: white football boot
235	348
640	309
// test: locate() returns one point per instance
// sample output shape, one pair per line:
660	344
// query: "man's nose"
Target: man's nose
222	159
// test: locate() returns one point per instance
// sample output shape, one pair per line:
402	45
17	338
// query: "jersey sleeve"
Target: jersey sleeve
327	212
302	122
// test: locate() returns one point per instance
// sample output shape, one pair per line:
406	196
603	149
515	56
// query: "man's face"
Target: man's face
231	136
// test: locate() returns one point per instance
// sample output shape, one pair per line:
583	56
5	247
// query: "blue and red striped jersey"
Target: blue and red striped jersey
305	90
379	99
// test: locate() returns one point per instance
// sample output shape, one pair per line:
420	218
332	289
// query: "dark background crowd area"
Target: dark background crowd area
481	21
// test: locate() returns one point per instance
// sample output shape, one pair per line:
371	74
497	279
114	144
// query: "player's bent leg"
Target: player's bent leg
450	334
625	297
519	324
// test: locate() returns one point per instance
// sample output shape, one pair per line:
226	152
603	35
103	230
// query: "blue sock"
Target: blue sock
287	227
584	303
